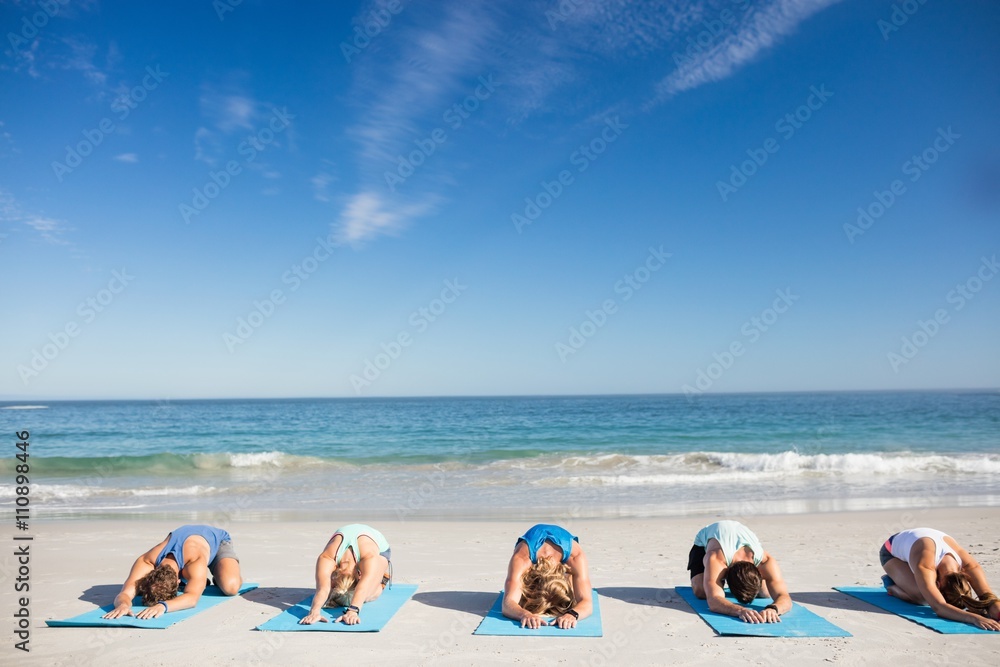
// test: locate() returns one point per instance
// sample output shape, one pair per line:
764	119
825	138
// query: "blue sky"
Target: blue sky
498	198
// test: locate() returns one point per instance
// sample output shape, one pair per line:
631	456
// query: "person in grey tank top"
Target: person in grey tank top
187	555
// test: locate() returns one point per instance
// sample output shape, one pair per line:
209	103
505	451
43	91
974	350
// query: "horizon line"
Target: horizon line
497	396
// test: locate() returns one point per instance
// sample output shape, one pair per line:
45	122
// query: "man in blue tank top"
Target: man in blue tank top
187	555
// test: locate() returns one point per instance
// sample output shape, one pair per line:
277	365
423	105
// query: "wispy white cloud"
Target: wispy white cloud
370	213
87	58
320	184
226	109
760	29
543	53
428	64
228	112
127	157
49	229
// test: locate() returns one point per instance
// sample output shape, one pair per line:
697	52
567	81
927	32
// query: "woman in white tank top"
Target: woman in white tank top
925	565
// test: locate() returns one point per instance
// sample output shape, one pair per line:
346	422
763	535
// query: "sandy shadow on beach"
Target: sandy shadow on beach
471	602
836	600
280	598
102	594
653	597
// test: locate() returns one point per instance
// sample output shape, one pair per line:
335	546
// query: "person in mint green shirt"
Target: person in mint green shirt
729	552
353	569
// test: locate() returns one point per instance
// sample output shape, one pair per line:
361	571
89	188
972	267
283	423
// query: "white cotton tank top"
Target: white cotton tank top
902	544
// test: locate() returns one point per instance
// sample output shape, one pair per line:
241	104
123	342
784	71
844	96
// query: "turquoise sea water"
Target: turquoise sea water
590	456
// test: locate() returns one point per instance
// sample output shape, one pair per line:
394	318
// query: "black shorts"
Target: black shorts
696	561
884	555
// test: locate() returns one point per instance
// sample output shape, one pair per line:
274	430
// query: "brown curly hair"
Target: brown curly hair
547	588
744	581
160	584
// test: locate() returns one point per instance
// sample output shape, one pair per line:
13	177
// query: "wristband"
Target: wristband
574	614
354	609
165	610
774	607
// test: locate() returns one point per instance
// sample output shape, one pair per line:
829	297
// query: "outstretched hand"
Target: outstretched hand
565	622
533	621
751	615
151	612
312	617
984	623
349	617
119	611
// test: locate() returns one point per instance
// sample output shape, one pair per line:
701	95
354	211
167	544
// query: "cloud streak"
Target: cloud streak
761	29
535	50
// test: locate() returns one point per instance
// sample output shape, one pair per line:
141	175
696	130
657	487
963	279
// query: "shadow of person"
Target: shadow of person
101	594
835	600
281	598
470	602
653	597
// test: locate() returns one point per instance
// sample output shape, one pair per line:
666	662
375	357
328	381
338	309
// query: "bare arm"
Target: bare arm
325	565
977	576
925	574
771	573
370	581
715	594
142	566
512	589
581	588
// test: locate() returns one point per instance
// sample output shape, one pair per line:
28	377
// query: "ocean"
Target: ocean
507	457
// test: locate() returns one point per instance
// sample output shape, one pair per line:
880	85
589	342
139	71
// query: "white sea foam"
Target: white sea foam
256	459
24	407
721	467
64	492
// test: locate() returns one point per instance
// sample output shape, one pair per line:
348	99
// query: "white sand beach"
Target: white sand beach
460	567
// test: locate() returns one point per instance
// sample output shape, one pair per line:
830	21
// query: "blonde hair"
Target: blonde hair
547	588
957	591
342	589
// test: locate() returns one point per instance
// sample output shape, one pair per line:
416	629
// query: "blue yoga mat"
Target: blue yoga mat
798	622
918	613
496	624
374	615
92	619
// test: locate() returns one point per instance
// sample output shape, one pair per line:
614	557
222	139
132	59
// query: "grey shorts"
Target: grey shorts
225	551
